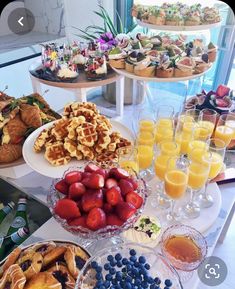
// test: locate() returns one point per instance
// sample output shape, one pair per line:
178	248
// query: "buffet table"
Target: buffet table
37	186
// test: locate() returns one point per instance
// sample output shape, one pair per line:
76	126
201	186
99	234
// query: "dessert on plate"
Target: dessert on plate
211	15
133	59
96	68
67	72
212	51
202	63
174	17
157	16
165	68
117	58
184	67
146	68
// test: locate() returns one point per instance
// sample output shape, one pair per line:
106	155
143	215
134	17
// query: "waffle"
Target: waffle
73	124
103	141
115	139
103	122
57	155
59	129
107	157
123	143
87	152
71	147
87	134
41	141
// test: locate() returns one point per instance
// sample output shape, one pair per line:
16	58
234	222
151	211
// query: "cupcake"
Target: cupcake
157	16
212	51
184	67
145	68
145	231
133	59
117	58
211	15
165	69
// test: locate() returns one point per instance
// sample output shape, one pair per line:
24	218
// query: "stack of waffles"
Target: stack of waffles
82	133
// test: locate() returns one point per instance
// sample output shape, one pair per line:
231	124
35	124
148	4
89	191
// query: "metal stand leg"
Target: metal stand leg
36	85
80	94
120	96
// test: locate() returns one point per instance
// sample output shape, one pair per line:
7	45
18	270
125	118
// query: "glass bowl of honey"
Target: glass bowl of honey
184	247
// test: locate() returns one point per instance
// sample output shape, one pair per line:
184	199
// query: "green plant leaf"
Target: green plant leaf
120	23
131	28
85	33
95	27
109	22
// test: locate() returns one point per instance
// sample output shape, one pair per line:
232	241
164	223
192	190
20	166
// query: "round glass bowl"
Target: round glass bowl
103	233
159	266
188	250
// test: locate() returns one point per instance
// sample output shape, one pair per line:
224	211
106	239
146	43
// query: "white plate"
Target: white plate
38	162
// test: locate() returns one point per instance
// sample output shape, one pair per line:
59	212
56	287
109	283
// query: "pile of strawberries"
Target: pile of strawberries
96	197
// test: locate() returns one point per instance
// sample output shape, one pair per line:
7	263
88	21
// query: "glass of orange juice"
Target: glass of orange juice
207	118
192	114
164	123
176	182
215	158
127	159
198	176
146	138
145	159
184	135
223	131
230	122
146	121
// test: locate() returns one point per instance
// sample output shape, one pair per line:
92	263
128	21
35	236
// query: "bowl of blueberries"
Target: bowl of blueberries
128	266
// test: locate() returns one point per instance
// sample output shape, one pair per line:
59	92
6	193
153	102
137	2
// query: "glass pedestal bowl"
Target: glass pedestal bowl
159	268
87	235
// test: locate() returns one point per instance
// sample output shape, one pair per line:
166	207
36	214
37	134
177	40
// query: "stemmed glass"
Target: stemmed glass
191	115
223	130
184	135
164	123
230	122
146	121
198	175
207	118
165	150
215	158
175	182
127	158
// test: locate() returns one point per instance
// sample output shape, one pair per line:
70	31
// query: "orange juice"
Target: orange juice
166	122
145	156
170	148
224	133
202	133
145	138
175	183
199	144
163	133
183	140
160	165
189	126
231	123
197	149
216	165
146	125
129	165
198	175
208	124
186	118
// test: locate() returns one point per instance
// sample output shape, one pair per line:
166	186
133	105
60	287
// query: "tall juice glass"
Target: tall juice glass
215	158
145	159
223	131
207	118
230	122
164	123
128	159
146	121
176	181
146	138
184	135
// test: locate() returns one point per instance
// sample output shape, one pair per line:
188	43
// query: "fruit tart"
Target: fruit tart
212	51
146	68
96	68
165	68
157	16
117	58
133	59
211	15
184	67
174	17
202	63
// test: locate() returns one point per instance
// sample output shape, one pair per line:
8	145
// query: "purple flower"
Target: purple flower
106	41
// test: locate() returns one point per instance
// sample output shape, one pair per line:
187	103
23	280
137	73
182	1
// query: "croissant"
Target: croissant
30	115
10	152
16	129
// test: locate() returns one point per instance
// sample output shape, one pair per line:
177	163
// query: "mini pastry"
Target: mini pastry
79	60
54	255
202	64
13	278
117	58
96	68
30	115
10	152
61	273
146	68
11	259
165	68
193	18
133	59
174	18
184	67
67	72
75	259
43	280
157	16
145	231
212	51
30	264
16	129
44	248
211	15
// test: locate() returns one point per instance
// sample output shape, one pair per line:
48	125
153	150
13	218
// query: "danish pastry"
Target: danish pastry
43	248
53	256
30	264
10	152
13	278
11	259
75	259
62	274
43	280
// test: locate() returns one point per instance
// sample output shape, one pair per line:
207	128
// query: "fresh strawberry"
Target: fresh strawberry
134	199
113	196
221	103
94	181
80	221
79	205
118	173
108	208
125	186
125	210
62	187
110	182
67	209
222	90
92	191
134	182
96	219
76	190
113	220
85	175
102	172
73	177
91	168
90	201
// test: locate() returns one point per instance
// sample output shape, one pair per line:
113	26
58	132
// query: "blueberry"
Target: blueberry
157	280
98	269
114	281
94	264
119	264
147	266
102	287
108	277
132	252
118	256
119	276
166	287
168	283
135	272
113	263
107	266
145	284
128	267
133	258
124	270
99	283
110	258
124	261
128	285
154	286
137	281
98	276
142	260
143	272
106	284
118	287
112	271
137	264
128	279
150	280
